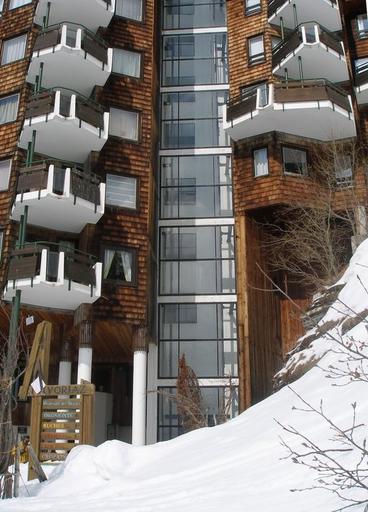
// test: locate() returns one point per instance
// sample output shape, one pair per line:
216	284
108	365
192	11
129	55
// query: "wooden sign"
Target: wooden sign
62	417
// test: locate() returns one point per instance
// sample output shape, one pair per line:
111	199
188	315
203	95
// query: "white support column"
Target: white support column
139	388
65	373
84	364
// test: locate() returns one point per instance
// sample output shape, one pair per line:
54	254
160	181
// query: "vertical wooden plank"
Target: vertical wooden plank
45	350
35	431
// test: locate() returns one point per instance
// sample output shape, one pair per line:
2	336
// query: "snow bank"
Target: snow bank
237	467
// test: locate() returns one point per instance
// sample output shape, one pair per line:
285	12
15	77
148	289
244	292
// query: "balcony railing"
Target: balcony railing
62	176
53	275
60	196
306	33
73	36
316	109
273	5
66	103
361	74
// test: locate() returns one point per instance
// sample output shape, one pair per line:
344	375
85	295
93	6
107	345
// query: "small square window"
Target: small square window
252	6
256	50
131	9
124	123
5	169
126	62
295	161
343	170
260	162
13	49
18	3
1	5
120	265
9	108
362	24
121	191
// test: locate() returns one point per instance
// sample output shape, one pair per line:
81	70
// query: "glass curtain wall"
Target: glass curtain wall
196	291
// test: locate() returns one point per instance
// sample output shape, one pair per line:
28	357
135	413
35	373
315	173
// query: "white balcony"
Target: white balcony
90	13
53	277
59	197
290	14
72	57
68	126
313	108
311	51
361	83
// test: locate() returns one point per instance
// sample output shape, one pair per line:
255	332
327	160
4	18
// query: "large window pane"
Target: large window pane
132	9
193	13
196	186
194	59
9	108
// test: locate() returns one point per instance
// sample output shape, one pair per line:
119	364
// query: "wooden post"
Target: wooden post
36	411
245	392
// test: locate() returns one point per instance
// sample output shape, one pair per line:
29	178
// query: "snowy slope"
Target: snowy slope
237	467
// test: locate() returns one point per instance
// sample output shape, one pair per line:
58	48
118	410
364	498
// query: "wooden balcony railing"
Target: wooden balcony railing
52	36
311	90
25	263
292	41
288	92
82	184
86	110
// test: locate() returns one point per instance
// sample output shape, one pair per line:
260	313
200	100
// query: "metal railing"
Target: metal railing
361	74
82	184
87	110
295	38
25	263
51	36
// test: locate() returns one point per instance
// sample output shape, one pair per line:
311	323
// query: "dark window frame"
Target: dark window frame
141	70
249	11
137	195
257	148
119	282
294	148
9	39
258	58
132	20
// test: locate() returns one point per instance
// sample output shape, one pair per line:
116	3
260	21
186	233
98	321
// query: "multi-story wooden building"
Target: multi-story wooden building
140	143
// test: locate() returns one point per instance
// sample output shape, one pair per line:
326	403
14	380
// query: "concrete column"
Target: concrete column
85	352
65	364
139	387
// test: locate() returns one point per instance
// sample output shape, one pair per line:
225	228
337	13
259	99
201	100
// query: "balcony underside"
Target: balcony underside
57	212
49	294
321	120
63	138
90	13
326	13
316	61
70	68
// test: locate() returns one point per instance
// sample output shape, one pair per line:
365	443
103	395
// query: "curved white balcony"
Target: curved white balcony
313	51
68	126
315	109
361	83
290	14
59	197
90	13
51	276
72	57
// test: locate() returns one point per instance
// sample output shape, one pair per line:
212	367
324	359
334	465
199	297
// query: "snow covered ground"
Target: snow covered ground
237	467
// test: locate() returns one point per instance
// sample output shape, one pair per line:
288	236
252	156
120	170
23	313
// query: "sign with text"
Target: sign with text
62	417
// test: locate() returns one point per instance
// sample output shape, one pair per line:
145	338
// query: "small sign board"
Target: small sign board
62	417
